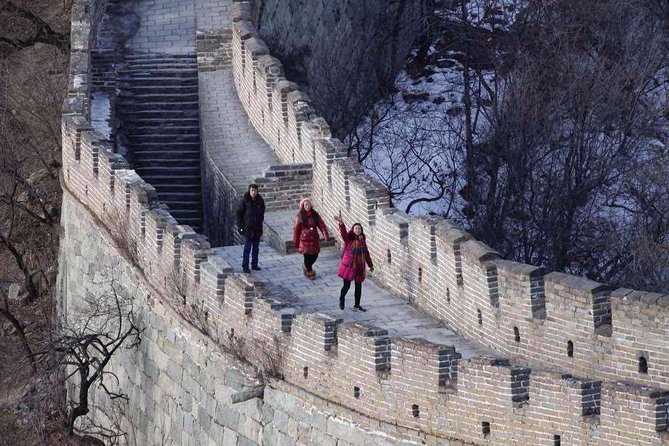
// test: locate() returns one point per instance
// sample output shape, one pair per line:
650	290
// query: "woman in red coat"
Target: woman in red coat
352	265
305	236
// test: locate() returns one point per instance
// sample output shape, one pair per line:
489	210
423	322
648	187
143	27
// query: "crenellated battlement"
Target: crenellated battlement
543	326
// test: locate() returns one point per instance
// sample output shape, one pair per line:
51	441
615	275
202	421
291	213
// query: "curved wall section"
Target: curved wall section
408	389
517	309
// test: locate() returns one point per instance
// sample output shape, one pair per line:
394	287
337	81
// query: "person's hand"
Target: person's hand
371	269
337	218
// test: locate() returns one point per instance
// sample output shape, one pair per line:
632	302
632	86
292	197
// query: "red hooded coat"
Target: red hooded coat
305	234
356	254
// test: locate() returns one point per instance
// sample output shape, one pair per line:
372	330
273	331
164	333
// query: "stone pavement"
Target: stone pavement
230	139
165	26
213	15
322	296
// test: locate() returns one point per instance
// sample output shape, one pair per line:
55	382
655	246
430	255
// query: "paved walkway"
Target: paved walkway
165	26
231	141
213	15
322	296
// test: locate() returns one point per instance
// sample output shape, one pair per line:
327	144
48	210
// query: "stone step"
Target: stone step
177	145
124	104
139	138
164	154
135	73
162	124
158	170
156	101
162	97
149	81
162	90
172	180
189	205
166	115
167	130
159	57
177	188
182	196
148	160
167	64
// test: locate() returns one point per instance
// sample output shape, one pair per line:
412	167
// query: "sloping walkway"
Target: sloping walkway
231	141
321	295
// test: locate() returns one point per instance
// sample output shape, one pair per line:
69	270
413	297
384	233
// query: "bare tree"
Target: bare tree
29	161
576	112
20	329
88	340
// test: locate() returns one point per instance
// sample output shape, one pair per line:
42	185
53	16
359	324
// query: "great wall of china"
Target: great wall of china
567	361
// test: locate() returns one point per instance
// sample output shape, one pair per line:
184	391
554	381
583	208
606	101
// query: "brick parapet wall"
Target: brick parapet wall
411	384
455	279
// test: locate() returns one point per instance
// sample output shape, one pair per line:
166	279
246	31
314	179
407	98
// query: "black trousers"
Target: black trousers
309	260
346	287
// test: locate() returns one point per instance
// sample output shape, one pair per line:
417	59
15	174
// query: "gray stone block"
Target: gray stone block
230	438
226	417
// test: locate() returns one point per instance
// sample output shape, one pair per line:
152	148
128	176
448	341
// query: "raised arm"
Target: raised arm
343	232
342	229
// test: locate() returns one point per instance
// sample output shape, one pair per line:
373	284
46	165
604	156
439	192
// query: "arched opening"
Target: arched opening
643	365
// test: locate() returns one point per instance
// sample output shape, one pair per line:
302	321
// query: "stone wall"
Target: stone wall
178	380
407	389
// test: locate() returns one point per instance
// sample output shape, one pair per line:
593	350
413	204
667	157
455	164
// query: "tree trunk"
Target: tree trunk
470	171
18	258
20	329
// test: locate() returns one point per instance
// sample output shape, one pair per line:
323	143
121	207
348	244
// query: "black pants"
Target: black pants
309	260
346	287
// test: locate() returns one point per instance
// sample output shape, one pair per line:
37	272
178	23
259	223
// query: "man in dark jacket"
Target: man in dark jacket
250	217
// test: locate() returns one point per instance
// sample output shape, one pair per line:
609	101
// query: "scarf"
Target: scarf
357	251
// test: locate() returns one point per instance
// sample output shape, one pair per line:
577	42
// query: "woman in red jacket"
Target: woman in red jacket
305	236
352	265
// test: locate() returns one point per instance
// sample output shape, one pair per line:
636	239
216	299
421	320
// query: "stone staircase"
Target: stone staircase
103	71
159	128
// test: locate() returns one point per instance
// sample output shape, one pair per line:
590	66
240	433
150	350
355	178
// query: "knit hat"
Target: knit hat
303	202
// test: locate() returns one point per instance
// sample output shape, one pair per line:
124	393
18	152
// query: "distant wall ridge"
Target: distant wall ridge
410	388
